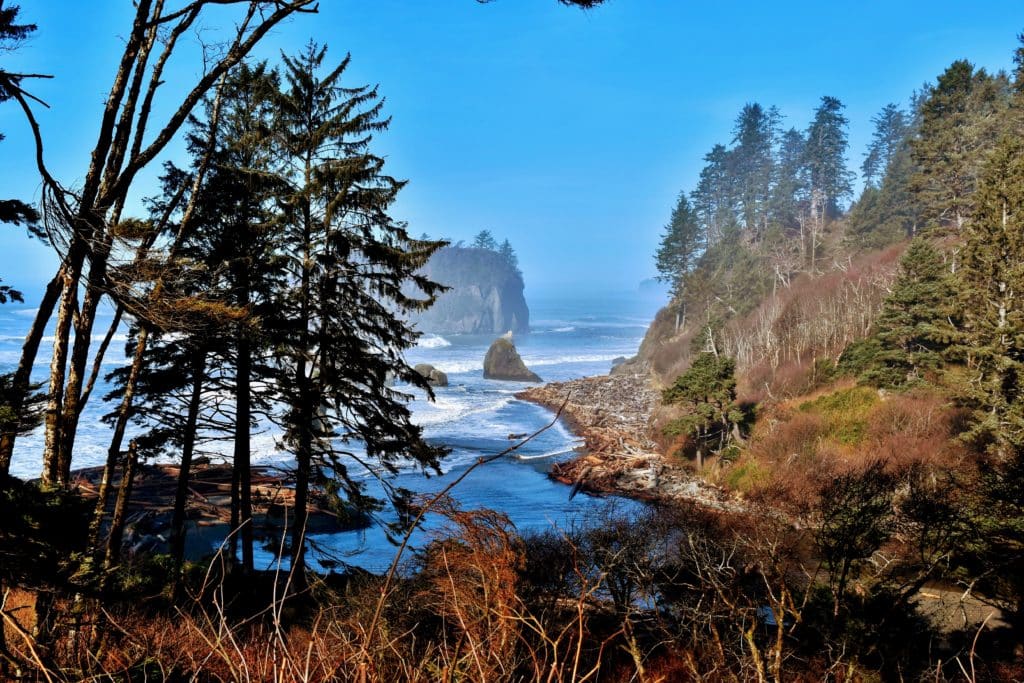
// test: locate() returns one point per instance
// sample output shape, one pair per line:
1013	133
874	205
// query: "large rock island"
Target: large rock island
503	362
486	295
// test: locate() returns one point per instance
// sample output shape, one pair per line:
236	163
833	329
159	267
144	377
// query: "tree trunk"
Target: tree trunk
78	370
23	375
52	474
124	494
187	450
242	464
123	414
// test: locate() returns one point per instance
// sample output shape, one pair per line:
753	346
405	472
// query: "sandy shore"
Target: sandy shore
612	415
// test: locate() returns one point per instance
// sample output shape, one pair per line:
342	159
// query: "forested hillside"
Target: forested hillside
859	365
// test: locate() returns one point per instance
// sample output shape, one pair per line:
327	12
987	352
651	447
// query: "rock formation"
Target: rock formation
503	362
433	376
486	295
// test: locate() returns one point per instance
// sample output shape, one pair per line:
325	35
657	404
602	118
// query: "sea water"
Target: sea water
570	337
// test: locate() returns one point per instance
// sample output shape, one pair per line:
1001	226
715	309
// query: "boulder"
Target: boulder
503	362
433	376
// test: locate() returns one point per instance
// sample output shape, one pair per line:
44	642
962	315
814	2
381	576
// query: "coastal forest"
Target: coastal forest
821	434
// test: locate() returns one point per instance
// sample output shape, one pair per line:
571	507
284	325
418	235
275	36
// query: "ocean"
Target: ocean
570	337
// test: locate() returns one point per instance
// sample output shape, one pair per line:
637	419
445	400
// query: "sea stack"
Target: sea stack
503	362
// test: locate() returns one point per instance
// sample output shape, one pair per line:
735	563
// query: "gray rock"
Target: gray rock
503	362
485	295
433	376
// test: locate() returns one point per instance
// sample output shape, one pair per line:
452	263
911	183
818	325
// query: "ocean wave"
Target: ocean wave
445	410
566	328
432	341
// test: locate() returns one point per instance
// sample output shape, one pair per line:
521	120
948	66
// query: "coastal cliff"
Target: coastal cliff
485	295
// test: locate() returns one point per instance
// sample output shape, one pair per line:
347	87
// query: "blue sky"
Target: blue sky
568	132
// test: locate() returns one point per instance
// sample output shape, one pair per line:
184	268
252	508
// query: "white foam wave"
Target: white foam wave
566	328
446	409
569	448
432	341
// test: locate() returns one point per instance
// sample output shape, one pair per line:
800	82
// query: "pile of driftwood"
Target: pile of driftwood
613	416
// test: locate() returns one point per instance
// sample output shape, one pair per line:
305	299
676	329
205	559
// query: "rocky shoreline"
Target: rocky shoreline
612	415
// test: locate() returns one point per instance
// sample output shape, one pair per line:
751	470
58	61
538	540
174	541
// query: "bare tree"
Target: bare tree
78	222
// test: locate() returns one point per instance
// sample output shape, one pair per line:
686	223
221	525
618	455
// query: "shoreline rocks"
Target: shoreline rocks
503	362
612	414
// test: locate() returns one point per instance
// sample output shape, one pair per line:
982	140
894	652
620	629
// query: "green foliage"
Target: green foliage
707	392
992	272
845	413
825	155
961	119
681	244
338	323
892	130
919	321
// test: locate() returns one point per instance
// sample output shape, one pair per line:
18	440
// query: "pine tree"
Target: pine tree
825	157
788	196
339	330
753	164
509	254
960	122
485	240
714	199
889	137
919	321
681	245
707	392
235	240
992	270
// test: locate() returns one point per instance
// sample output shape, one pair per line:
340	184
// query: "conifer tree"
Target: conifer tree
237	237
825	157
918	323
485	240
753	164
681	244
508	253
888	138
960	122
714	198
339	337
789	190
707	392
992	270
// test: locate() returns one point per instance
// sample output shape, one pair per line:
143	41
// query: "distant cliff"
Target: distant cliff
486	295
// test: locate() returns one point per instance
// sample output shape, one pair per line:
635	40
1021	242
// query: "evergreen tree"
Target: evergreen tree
960	122
825	157
889	137
509	254
235	238
752	163
485	240
992	271
707	392
681	244
340	334
918	322
788	196
714	198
